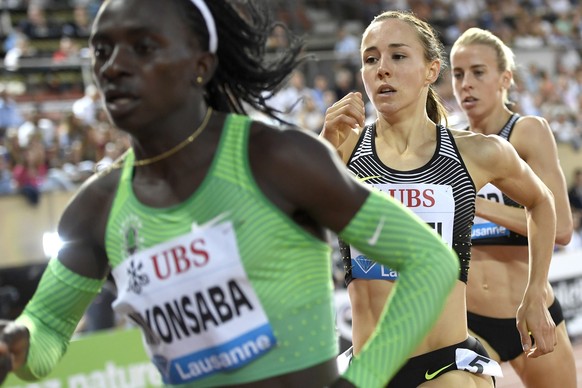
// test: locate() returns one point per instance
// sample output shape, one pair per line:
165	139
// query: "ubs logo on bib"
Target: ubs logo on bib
413	197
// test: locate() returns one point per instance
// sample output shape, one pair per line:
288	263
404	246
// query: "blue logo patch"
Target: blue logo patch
364	268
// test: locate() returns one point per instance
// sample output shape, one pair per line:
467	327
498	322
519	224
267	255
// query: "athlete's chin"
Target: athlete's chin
127	123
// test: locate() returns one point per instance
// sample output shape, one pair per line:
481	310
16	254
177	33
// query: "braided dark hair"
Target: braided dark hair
247	73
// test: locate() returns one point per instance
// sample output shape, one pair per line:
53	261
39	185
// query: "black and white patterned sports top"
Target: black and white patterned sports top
441	192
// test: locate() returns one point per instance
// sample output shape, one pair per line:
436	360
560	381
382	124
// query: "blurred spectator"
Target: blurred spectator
546	87
392	4
31	172
575	191
468	9
76	168
559	7
37	25
92	6
80	26
10	142
551	87
569	59
278	39
86	107
347	48
564	129
293	16
454	30
528	33
575	244
112	152
495	20
424	10
11	34
70	128
21	49
13	4
524	100
321	92
117	145
10	116
529	76
6	183
310	116
343	82
37	125
567	88
100	134
289	100
68	50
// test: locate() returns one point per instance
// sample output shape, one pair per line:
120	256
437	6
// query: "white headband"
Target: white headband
210	25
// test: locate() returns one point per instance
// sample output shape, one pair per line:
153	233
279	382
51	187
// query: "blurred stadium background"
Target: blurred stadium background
50	112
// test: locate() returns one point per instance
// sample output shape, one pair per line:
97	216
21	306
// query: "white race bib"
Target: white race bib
472	362
195	305
483	228
434	204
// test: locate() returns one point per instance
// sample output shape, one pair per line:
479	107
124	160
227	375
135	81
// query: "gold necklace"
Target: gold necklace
184	143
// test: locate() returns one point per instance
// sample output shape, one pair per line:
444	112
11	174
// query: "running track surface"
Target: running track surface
510	379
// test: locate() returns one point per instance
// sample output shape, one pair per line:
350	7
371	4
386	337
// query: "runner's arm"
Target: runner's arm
52	315
390	234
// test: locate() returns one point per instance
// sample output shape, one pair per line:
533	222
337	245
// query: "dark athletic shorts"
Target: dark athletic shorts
502	334
429	366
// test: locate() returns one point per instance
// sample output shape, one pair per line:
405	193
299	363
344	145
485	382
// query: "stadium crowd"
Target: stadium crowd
43	149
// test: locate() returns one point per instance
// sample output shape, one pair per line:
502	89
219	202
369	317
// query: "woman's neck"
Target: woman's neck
491	123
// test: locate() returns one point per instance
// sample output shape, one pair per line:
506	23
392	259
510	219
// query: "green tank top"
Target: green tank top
288	268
